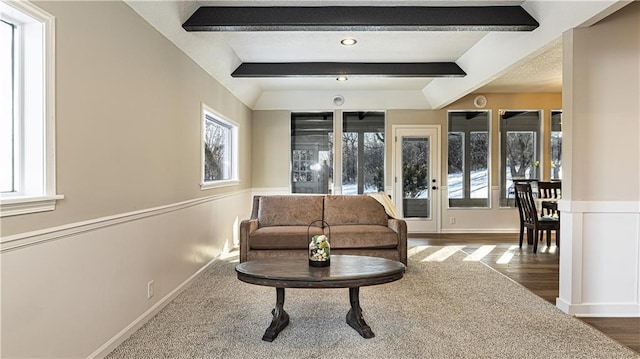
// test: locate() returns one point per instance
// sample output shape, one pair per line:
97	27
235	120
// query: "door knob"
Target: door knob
434	188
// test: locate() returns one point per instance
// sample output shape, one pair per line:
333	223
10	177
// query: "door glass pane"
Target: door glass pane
311	152
363	152
415	177
556	145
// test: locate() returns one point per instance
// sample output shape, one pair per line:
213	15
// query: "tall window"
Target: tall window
7	99
311	152
519	149
556	145
27	113
468	159
362	152
220	150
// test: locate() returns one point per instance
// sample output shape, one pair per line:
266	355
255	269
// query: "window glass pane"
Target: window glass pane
556	145
363	152
455	183
468	159
6	108
218	150
520	155
312	152
479	164
519	146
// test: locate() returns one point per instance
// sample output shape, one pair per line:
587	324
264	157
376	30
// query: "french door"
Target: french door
416	169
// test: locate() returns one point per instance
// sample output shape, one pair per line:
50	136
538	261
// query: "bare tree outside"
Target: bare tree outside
216	149
363	152
520	153
415	172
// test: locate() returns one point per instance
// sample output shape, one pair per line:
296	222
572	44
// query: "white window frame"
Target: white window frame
234	161
34	108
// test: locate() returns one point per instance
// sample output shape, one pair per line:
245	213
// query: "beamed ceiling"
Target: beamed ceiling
408	55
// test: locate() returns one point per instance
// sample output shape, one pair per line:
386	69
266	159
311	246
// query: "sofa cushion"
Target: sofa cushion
361	209
282	237
362	236
290	211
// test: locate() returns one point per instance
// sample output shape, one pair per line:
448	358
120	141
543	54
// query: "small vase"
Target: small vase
319	251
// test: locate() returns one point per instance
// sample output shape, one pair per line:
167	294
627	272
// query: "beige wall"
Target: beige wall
127	117
270	152
74	280
605	124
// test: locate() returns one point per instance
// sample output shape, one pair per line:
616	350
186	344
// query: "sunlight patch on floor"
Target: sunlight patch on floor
507	256
231	256
480	253
545	249
415	250
443	254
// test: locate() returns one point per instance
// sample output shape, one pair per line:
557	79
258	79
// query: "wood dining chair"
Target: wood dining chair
548	194
534	223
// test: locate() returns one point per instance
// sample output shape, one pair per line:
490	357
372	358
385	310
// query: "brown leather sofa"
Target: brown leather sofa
357	225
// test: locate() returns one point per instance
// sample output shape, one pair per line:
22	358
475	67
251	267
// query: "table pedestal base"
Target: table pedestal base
280	318
354	316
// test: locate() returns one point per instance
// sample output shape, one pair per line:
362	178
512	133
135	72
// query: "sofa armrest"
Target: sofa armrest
400	227
247	227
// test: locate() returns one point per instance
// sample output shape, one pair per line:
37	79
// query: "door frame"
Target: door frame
413	225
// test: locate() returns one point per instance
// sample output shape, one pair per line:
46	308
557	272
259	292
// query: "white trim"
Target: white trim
235	159
219	184
24	205
127	331
480	230
35	199
599	206
21	240
599	310
433	225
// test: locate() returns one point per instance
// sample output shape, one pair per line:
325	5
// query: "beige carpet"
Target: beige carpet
444	307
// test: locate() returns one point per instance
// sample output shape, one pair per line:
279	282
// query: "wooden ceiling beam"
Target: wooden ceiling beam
361	18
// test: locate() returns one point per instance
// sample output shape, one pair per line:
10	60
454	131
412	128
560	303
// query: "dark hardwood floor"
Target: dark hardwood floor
537	272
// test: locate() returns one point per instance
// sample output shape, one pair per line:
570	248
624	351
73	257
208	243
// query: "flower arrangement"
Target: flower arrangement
319	251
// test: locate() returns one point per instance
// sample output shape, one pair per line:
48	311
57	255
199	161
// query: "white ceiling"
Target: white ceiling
494	61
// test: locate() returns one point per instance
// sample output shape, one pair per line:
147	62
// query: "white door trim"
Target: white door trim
436	168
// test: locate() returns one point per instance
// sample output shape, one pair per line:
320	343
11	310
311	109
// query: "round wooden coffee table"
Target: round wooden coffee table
345	271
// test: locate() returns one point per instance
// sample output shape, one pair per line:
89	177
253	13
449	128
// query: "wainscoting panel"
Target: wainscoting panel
600	259
79	290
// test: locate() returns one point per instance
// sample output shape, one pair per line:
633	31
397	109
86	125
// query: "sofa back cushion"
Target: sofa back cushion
360	209
290	210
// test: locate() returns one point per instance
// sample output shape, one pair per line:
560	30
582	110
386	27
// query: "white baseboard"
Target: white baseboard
126	332
480	230
599	310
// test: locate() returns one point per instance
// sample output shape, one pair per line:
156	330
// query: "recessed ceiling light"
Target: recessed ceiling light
342	78
348	41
